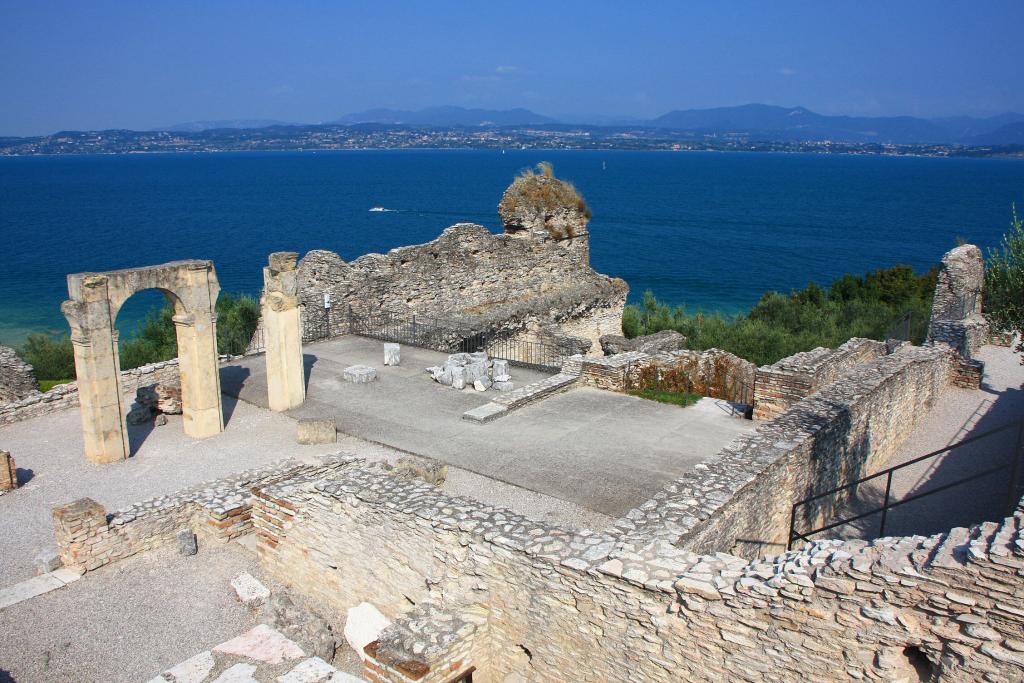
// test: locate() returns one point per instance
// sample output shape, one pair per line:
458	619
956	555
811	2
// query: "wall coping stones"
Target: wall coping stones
504	403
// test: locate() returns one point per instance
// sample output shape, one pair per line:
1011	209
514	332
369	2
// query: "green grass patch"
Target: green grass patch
675	398
47	384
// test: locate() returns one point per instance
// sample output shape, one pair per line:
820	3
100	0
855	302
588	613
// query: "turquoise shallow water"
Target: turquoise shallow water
711	231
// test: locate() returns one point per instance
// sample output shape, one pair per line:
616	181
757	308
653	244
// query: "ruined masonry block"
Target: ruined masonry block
503	386
392	354
499	369
458	378
48	561
250	591
482	384
187	542
359	374
8	472
315	430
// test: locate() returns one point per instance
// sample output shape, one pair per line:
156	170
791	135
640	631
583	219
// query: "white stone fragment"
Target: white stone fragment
363	626
392	354
458	378
482	384
251	592
239	673
502	386
192	670
499	369
312	670
262	644
359	374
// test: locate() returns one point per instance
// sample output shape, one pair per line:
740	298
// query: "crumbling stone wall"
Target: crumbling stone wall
956	309
89	538
539	602
741	501
508	283
17	379
789	380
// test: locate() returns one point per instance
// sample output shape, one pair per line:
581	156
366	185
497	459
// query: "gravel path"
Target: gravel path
51	465
129	621
960	414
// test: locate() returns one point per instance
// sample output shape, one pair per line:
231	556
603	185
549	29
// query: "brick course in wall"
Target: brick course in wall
782	384
8	473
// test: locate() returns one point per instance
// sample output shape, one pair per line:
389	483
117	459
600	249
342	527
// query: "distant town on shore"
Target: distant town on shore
757	128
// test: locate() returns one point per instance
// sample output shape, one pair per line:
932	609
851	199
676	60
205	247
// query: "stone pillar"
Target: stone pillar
99	381
8	473
202	412
74	525
282	332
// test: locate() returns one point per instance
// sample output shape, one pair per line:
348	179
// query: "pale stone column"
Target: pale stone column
99	379
197	359
282	332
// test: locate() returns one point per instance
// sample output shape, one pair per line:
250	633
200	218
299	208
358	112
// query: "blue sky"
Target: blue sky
89	65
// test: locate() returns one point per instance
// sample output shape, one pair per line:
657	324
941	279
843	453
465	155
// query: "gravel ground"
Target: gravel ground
129	621
53	470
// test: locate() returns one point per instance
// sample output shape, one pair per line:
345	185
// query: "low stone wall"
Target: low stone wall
17	380
88	537
64	396
533	601
782	384
741	501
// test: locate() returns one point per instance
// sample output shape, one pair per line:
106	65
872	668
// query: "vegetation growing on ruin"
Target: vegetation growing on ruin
672	397
540	193
872	306
1004	282
53	359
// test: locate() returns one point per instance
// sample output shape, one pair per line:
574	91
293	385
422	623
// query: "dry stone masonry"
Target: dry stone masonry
17	379
956	309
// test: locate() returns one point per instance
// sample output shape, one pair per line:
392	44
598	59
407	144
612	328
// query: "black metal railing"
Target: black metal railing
539	355
1011	496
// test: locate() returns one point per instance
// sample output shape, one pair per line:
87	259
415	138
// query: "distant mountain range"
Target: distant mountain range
754	122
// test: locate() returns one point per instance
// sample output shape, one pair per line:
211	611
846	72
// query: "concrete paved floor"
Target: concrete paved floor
603	451
53	470
960	414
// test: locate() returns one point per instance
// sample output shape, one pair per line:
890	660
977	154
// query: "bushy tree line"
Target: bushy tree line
873	305
154	340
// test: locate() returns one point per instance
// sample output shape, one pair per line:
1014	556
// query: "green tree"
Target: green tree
52	358
1004	282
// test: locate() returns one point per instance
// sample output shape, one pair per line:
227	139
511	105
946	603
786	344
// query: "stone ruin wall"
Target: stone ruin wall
17	379
516	285
8	473
791	379
956	309
64	396
741	501
469	585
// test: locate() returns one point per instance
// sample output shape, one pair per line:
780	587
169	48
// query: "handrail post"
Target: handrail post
885	504
792	527
1011	495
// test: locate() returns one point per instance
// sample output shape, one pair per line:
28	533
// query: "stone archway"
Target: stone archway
95	299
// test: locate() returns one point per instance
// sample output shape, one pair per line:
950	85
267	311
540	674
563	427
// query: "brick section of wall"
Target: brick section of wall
584	610
89	537
968	373
834	436
782	384
611	372
8	473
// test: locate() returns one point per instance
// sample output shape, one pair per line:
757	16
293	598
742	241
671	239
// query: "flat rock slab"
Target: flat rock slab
262	644
239	673
250	591
44	583
316	430
359	374
485	413
192	670
363	625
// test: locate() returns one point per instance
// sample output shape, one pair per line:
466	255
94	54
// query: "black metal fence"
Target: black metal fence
448	335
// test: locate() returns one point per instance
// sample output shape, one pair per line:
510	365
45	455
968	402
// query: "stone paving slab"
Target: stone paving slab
44	583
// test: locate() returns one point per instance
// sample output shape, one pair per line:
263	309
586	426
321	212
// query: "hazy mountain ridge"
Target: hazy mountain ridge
447	116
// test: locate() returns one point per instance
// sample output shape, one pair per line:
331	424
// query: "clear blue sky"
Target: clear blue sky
89	65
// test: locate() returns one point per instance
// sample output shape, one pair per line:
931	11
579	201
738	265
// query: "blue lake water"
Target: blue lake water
711	231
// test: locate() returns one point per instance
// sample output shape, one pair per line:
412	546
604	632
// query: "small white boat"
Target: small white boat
379	209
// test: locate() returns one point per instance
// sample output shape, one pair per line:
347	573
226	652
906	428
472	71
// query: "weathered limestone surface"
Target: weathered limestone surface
17	379
471	585
666	340
94	300
313	430
956	309
392	354
359	374
530	281
282	332
740	502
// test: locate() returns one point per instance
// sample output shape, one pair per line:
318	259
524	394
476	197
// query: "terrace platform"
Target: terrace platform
603	451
